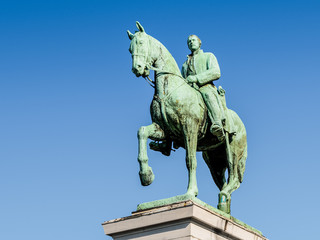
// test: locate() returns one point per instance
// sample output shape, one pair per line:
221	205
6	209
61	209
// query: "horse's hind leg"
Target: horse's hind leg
233	179
154	132
217	166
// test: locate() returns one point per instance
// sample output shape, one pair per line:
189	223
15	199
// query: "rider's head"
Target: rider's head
194	43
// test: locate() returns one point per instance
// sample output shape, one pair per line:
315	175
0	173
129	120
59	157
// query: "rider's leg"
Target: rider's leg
209	96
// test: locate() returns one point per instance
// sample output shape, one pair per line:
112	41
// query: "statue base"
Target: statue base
186	219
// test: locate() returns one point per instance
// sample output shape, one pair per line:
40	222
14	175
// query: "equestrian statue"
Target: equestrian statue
189	111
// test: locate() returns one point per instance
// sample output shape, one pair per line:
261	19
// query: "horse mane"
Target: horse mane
165	60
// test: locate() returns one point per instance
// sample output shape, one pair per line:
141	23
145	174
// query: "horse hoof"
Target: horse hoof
224	207
192	192
224	203
147	177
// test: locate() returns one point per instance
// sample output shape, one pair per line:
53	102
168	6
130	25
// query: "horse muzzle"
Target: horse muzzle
146	73
140	71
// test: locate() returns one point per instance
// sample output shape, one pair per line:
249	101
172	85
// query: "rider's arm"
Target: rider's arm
184	70
212	73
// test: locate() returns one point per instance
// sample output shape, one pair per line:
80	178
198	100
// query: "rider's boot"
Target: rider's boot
217	130
214	110
164	147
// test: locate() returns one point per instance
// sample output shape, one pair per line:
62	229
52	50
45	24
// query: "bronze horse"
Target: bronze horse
179	113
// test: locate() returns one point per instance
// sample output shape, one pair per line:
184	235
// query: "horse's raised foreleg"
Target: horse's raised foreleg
154	132
190	130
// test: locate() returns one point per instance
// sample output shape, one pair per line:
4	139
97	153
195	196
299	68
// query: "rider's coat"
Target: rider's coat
204	65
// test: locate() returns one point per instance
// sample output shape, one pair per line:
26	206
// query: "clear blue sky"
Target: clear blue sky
70	109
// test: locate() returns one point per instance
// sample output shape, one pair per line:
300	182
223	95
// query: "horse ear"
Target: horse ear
130	35
139	26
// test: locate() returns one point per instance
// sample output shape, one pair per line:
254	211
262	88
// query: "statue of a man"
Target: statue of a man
200	70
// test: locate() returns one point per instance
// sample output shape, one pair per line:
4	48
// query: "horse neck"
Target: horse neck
162	59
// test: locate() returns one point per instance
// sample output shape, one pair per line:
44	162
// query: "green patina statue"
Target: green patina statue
189	111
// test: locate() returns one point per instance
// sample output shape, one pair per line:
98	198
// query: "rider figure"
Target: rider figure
200	70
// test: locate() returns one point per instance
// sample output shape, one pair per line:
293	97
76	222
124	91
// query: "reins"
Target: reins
159	72
151	83
150	67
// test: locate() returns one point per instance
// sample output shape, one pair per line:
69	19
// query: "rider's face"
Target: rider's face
193	43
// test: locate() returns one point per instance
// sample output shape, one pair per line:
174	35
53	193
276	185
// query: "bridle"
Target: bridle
150	67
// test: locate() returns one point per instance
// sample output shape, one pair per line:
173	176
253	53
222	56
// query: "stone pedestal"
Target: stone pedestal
180	221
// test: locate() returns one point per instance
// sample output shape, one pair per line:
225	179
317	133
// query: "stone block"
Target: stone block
186	220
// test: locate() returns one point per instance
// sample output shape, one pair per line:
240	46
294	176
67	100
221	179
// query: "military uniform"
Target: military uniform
205	67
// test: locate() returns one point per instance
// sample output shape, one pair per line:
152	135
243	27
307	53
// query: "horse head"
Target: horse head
140	51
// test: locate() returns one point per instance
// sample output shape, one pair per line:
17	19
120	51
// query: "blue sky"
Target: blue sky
70	109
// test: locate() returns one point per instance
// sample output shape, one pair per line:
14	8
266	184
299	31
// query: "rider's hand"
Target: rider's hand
192	79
